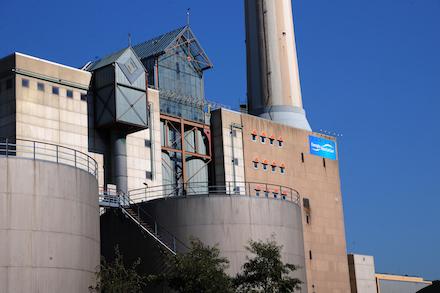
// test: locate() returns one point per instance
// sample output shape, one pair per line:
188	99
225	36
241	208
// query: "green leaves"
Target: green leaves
114	277
265	271
203	270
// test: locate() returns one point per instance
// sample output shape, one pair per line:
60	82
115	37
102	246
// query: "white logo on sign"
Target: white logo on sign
328	148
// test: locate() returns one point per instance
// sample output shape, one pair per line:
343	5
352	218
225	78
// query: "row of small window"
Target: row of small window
265	167
55	90
264	139
266	193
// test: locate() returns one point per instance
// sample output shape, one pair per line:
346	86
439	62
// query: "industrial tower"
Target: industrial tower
128	151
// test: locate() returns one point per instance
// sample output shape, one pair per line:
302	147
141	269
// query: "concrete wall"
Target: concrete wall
230	222
315	179
49	227
144	152
362	273
227	136
7	98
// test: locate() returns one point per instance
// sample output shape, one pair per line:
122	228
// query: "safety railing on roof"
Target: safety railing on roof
251	189
35	150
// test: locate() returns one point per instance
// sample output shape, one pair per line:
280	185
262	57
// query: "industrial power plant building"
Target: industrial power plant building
127	151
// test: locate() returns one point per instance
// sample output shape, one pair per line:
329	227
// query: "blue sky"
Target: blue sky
370	70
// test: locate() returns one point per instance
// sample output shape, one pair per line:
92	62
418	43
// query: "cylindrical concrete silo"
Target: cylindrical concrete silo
230	222
274	90
49	225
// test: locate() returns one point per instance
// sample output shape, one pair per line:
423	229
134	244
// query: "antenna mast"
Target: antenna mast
188	15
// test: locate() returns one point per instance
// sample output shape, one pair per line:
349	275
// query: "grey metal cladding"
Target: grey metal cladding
106	60
105	106
132	69
157	45
131	106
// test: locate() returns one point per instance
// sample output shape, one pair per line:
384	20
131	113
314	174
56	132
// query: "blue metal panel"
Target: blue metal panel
322	147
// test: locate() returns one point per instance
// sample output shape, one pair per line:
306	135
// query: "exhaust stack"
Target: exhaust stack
274	90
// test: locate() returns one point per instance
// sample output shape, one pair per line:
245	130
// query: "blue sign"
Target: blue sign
322	147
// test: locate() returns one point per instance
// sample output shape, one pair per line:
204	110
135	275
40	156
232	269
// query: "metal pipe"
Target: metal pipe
118	156
152	145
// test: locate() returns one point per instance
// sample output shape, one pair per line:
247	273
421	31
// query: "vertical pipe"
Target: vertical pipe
119	160
152	144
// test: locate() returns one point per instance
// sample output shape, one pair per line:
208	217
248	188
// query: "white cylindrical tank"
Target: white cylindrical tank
274	90
49	227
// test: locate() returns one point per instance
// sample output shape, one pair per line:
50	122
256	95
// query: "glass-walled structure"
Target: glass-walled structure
175	63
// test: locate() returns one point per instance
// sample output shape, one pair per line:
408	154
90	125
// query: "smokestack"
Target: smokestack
274	90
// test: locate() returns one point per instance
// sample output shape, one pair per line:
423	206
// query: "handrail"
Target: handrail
230	188
36	150
161	234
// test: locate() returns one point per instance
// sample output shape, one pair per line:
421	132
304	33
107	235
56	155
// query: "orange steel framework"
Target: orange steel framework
182	125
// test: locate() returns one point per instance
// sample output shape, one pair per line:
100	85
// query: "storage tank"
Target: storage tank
49	219
230	221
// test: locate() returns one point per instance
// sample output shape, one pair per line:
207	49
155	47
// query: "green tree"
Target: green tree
114	277
265	271
201	270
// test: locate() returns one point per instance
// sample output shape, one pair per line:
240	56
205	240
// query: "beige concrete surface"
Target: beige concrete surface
49	227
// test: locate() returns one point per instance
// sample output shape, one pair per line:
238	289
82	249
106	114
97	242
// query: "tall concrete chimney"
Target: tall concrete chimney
274	90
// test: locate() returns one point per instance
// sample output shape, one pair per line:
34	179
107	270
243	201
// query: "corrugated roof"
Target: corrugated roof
106	60
157	46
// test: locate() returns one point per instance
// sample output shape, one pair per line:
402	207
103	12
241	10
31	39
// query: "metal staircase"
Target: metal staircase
141	218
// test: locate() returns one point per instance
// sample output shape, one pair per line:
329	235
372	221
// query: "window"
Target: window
266	193
147	143
264	167
263	139
40	86
280	143
256	165
148	175
271	141
275	194
323	163
254	137
302	157
69	93
234	133
55	90
83	97
235	161
9	84
274	169
282	170
25	82
308	219
310	255
306	203
257	192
